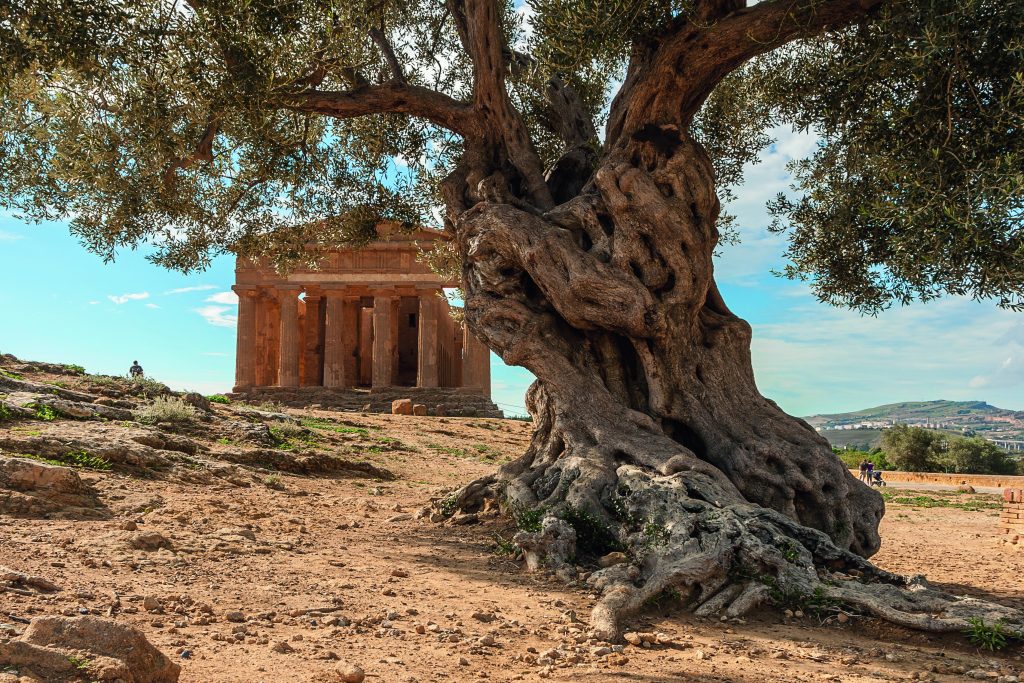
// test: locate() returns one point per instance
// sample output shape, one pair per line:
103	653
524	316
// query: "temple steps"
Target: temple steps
456	402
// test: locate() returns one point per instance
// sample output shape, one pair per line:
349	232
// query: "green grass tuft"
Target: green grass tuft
991	637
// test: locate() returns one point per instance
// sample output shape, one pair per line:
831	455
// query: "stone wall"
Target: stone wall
993	480
1011	519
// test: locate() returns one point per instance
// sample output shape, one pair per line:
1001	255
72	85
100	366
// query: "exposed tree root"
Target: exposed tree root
730	559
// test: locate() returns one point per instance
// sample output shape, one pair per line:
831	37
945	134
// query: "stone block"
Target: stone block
419	409
401	406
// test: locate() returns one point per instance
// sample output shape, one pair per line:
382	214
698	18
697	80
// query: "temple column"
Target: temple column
476	370
245	351
268	328
312	340
288	356
383	343
350	339
334	343
426	343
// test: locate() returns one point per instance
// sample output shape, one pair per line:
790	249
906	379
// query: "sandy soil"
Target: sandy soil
340	571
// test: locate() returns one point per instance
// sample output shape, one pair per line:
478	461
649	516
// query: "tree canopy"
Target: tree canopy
207	125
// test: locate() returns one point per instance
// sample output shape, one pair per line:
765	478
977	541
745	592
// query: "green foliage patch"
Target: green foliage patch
989	636
78	458
594	536
45	413
974	504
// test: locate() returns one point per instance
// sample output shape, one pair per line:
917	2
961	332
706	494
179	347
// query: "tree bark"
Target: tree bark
649	432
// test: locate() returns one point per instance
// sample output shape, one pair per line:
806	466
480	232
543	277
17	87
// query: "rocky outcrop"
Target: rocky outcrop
123	448
30	403
301	463
36	489
65	649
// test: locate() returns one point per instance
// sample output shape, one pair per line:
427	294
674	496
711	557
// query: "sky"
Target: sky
60	303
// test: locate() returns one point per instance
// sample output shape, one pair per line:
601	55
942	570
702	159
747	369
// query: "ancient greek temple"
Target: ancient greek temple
371	319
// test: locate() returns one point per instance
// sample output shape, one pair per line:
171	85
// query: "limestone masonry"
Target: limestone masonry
1011	520
368	318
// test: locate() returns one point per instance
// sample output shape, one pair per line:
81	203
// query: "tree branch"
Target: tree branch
384	45
203	152
666	85
485	43
391	96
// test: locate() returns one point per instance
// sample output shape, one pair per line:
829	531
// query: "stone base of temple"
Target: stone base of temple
456	402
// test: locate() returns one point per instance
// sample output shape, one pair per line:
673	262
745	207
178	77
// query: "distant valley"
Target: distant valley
863	428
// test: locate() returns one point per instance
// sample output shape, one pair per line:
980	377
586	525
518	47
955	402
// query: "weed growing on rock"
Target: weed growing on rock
45	413
291	437
528	519
655	535
166	409
505	547
593	535
218	398
70	459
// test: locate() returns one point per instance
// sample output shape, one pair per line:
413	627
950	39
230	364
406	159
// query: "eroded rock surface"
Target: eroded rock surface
32	488
61	649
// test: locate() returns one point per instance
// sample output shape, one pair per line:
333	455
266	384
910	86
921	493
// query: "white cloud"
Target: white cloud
10	236
818	359
760	251
228	298
193	288
125	298
93	303
152	306
217	316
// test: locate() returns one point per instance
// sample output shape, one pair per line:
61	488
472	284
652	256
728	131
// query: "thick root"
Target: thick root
719	558
732	559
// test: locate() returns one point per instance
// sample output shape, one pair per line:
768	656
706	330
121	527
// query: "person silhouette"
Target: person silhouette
135	370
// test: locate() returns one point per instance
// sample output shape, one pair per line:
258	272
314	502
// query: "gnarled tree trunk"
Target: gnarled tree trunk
649	430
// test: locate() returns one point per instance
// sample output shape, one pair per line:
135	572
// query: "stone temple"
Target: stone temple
368	326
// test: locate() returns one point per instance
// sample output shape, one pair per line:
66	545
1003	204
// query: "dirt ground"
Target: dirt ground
337	570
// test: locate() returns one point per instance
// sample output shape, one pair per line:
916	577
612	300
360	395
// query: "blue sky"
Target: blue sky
61	303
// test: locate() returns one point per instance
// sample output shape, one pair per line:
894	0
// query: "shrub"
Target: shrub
165	409
147	387
852	457
218	398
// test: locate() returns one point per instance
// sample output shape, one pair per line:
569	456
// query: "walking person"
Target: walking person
863	470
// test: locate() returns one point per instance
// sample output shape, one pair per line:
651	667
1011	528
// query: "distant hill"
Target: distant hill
916	411
861	427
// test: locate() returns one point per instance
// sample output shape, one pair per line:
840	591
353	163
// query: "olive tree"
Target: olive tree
577	164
